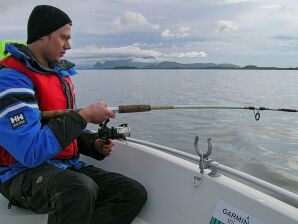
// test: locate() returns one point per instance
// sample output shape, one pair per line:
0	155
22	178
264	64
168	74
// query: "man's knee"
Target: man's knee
141	194
76	185
138	193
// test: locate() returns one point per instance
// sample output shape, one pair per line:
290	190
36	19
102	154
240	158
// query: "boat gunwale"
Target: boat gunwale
215	167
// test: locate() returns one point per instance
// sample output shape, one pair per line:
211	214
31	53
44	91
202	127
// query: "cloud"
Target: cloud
285	37
129	52
279	9
167	33
183	31
92	52
226	26
133	21
138	44
234	1
192	54
148	60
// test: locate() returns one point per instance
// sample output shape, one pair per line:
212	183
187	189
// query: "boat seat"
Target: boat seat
17	215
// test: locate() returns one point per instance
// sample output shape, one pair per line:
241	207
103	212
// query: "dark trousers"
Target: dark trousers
89	195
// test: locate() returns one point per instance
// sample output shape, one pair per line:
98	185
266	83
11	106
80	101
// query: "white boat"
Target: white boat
184	189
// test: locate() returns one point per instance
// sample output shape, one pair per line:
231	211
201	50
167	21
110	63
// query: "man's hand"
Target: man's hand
96	113
104	148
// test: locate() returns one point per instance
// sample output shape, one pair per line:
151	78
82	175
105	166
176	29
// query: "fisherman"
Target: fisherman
39	161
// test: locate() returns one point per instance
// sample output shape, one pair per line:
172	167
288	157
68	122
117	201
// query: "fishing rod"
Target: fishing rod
146	107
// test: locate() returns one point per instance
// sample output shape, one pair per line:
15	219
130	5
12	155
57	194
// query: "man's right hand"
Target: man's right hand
96	113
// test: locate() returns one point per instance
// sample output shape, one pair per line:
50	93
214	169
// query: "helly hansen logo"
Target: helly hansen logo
17	120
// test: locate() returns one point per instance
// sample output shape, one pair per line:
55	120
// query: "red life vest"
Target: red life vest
51	95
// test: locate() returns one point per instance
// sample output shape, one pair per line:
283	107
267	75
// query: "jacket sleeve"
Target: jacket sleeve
86	145
21	132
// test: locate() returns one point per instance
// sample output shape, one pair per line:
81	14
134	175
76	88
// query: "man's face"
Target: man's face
56	44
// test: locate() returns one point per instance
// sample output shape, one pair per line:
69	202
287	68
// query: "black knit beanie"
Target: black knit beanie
45	19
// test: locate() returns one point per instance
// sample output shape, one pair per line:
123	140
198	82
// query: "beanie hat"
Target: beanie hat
43	20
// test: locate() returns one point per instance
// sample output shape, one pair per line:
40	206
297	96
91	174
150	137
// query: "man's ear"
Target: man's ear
44	37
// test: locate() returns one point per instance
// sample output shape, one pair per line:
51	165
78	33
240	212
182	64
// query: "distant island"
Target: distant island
131	64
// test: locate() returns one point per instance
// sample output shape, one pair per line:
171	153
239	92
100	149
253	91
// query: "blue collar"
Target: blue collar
64	73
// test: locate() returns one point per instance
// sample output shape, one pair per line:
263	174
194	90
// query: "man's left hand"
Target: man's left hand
104	148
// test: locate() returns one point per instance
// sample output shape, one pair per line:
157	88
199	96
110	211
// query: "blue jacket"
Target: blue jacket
22	134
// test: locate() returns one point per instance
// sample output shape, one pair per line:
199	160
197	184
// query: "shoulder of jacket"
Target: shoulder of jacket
13	78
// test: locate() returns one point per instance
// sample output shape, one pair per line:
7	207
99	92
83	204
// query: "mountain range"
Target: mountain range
131	64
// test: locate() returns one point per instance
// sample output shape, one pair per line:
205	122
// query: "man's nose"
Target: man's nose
67	45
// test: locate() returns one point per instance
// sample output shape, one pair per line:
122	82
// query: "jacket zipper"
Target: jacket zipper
67	92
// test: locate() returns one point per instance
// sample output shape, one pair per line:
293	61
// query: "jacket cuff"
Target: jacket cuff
68	128
87	147
77	117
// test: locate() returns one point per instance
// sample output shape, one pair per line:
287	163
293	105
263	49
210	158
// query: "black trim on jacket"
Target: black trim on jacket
11	99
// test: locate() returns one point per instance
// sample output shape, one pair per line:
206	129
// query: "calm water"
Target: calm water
267	148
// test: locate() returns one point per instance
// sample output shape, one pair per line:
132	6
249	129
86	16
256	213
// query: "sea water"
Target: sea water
267	148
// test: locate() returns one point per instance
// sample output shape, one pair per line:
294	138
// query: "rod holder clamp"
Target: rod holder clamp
203	156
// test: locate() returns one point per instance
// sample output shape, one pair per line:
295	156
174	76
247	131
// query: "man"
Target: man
39	160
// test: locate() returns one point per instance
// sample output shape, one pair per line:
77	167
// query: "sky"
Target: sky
241	32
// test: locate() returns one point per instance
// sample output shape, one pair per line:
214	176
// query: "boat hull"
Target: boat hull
175	193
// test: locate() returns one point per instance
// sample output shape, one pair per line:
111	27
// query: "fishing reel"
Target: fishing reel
120	132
